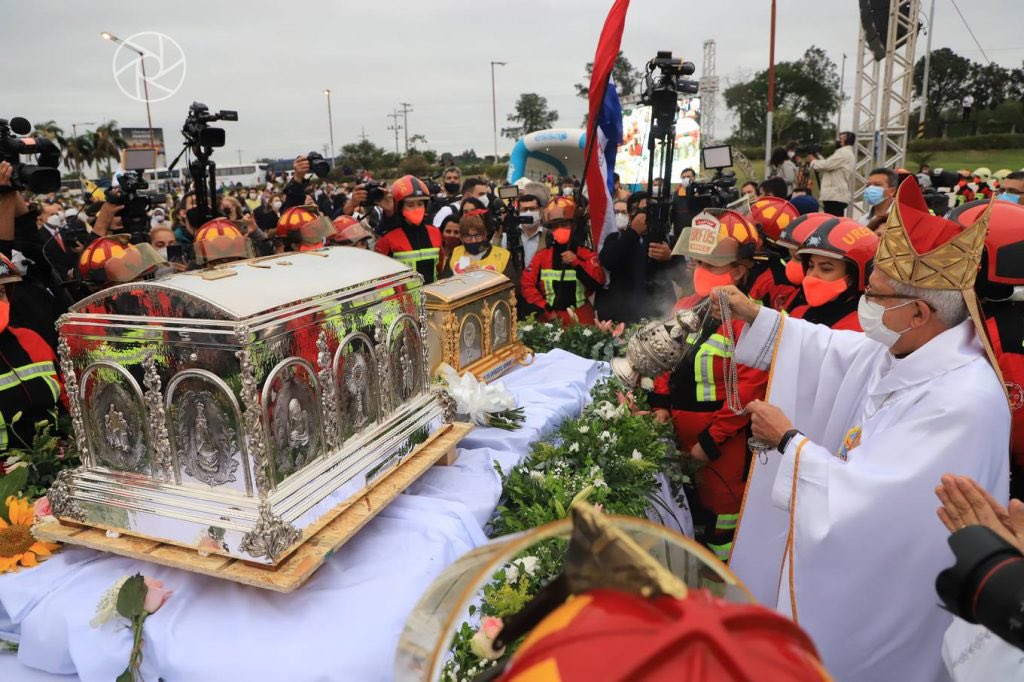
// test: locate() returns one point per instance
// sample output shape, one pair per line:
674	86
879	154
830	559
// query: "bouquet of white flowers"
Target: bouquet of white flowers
484	404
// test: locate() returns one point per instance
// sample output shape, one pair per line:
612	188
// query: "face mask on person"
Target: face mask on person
567	191
414	215
795	271
451	187
55	221
1006	196
5	314
276	205
685	182
870	315
163	252
534	217
704	281
158	218
819	291
561	235
790	154
474	248
621	221
252	195
656	191
873	195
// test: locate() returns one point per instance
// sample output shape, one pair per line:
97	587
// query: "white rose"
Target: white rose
637	456
575	447
605	436
536	475
512	573
587	332
584	428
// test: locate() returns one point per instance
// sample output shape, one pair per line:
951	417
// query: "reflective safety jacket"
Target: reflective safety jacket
1005	326
30	389
550	285
770	286
419	247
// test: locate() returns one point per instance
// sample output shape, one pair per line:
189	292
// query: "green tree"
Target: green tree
51	131
625	76
990	85
531	114
947	75
414	164
107	142
806	98
366	155
78	152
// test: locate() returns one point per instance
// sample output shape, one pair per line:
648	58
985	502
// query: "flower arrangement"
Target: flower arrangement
133	598
610	456
18	547
484	404
602	341
30	470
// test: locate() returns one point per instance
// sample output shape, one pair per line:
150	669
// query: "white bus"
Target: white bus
248	175
163	180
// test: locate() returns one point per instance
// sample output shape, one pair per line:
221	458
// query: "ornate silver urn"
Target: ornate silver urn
657	347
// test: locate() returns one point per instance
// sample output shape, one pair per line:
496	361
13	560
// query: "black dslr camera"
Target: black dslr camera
986	586
137	204
318	164
39	178
375	193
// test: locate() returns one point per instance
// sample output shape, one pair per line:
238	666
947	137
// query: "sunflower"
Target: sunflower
17	545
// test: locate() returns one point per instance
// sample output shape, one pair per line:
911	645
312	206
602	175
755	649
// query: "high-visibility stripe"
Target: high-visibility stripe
3	432
551	277
716	345
726	521
414	257
22	374
721	551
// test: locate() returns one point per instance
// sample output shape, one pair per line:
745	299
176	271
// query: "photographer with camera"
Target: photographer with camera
836	172
298	187
476	188
414	242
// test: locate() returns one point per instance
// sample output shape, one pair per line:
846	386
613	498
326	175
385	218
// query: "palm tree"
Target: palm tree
107	143
50	130
78	152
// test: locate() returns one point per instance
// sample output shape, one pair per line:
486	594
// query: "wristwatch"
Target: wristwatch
786	437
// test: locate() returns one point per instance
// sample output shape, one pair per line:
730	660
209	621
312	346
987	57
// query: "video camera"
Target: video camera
720	191
201	138
505	212
986	585
808	148
39	178
664	81
197	129
137	204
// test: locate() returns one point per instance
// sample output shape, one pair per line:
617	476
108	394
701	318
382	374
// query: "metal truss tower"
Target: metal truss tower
708	91
881	99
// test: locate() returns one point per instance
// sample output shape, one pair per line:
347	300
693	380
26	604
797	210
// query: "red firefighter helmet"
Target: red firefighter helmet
1003	258
559	210
220	239
347	230
847	240
408	186
8	271
772	215
793	235
615	636
113	260
718	237
303	228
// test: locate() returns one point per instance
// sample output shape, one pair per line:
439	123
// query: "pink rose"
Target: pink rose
156	595
617	332
605	326
208	545
492	626
41	507
482	642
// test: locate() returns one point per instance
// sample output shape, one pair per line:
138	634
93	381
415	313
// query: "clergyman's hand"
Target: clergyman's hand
768	422
742	307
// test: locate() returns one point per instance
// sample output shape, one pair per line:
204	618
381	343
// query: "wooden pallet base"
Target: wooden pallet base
301	564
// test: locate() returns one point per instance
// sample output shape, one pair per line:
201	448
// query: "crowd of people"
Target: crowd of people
778	249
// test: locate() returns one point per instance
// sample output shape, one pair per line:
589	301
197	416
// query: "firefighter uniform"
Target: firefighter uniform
415	242
770	286
30	390
561	290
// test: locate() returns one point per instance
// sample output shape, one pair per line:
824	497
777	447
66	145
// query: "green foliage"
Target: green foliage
806	96
532	113
1005	141
602	342
951	76
131	597
47	455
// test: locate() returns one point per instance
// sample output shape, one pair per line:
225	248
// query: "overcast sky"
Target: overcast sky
272	60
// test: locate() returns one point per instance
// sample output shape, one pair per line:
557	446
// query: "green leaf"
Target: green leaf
12	483
126	676
131	597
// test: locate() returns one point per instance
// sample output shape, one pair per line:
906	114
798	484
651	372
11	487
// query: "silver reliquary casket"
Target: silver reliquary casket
237	408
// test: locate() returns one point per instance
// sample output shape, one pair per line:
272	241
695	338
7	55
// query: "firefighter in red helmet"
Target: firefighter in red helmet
219	241
1000	288
414	242
721	244
792	238
302	228
115	260
561	277
836	259
771	215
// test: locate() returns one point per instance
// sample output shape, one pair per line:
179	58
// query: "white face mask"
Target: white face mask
55	221
656	191
567	191
870	315
685	182
621	221
276	205
163	252
791	153
534	217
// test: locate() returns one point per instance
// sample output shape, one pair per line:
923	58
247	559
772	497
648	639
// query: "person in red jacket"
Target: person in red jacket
771	215
722	244
560	278
414	242
1000	287
836	259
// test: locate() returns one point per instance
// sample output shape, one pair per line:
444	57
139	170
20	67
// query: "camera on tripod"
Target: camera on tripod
664	81
197	129
720	191
986	585
137	203
39	178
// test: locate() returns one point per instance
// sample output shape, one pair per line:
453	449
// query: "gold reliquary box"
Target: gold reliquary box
471	324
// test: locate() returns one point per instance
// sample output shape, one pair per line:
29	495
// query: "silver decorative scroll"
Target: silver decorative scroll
383	371
257	445
158	420
62	496
425	369
270	536
67	368
328	392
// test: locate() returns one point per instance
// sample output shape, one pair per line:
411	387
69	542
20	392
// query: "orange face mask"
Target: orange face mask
819	291
795	271
561	235
5	314
704	280
414	215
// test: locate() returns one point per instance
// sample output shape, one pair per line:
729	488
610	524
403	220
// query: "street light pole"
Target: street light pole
494	107
771	96
145	84
927	69
330	123
842	80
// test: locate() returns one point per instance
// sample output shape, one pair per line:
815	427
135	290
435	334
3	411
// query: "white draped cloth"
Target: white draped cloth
850	547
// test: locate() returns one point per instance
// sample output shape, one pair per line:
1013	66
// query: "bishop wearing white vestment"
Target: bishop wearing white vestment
839	529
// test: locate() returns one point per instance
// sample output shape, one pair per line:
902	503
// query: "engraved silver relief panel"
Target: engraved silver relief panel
205	425
291	410
115	418
470	340
405	358
501	326
355	369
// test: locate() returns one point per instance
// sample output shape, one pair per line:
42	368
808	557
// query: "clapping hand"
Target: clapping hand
965	503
